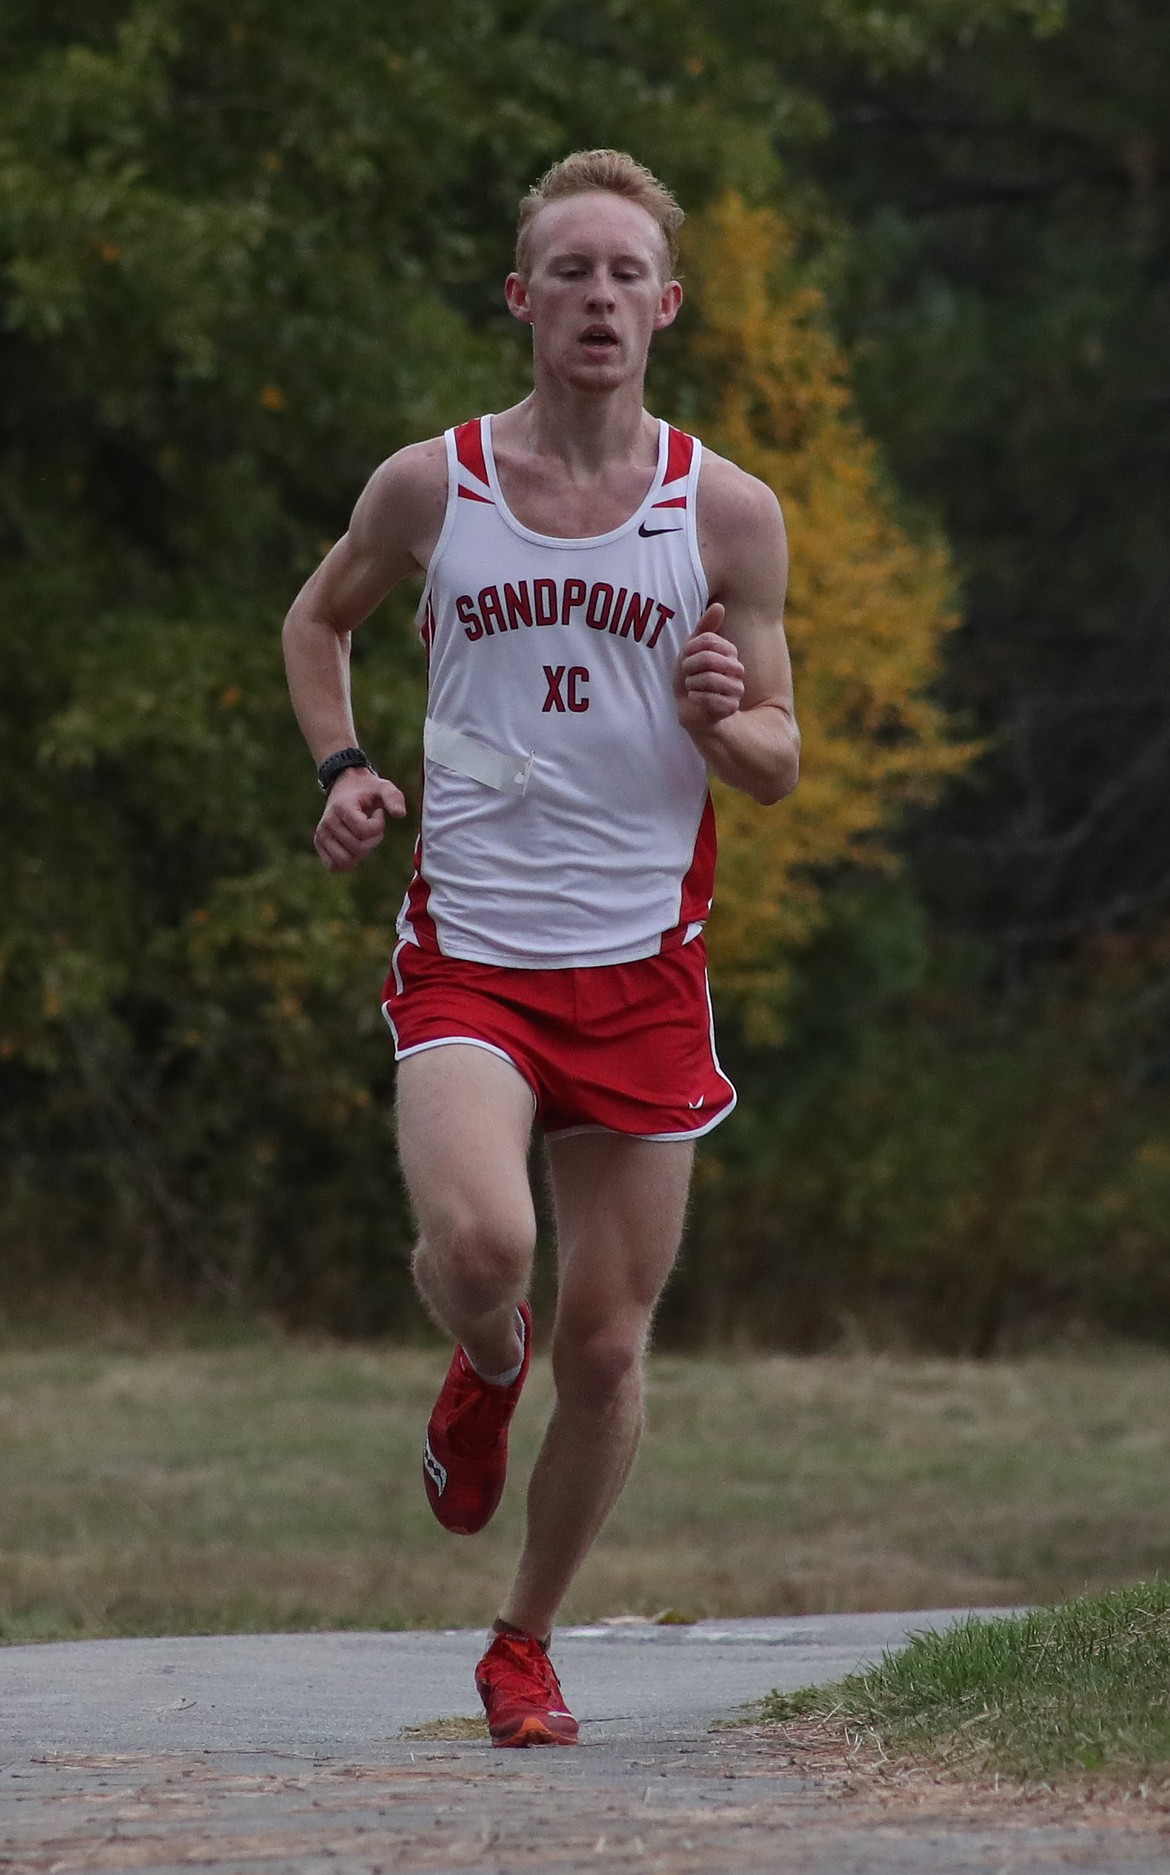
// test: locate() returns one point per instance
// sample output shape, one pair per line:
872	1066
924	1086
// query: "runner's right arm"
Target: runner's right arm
391	535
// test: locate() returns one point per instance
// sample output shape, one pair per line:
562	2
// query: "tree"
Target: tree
1005	292
243	256
869	606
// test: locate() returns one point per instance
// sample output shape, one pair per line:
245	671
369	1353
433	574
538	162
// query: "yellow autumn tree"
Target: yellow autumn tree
868	607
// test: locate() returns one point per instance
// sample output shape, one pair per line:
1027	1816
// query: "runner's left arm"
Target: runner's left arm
733	679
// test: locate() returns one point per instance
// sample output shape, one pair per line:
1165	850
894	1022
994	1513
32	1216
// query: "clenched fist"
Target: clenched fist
708	677
355	818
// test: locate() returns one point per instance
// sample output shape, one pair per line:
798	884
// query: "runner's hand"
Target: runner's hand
355	818
708	678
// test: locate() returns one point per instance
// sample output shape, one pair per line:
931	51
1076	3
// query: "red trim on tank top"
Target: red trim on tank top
470	452
698	887
680	453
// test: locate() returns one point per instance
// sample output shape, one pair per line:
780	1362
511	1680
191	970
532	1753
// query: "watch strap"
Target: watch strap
336	764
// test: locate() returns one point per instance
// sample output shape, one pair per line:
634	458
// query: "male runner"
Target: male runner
602	618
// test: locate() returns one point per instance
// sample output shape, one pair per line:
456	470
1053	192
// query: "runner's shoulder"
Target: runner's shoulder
733	506
416	474
403	503
731	494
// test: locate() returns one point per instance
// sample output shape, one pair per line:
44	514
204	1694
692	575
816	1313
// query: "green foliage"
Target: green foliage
980	1146
1004	286
910	35
1051	1693
243	256
930	1155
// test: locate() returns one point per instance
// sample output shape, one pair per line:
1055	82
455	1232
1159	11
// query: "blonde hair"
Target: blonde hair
610	170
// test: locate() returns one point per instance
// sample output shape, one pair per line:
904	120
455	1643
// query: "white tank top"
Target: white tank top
566	819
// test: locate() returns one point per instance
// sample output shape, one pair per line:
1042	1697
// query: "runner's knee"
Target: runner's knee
485	1262
592	1368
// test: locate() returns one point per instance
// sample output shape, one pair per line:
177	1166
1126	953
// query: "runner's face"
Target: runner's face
596	292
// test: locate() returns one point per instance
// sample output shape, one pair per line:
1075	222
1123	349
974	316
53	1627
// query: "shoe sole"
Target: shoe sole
534	1731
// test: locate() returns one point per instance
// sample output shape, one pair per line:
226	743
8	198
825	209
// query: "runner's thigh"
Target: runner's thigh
464	1123
620	1206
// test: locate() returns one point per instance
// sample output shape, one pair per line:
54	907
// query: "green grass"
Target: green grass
1080	1688
155	1486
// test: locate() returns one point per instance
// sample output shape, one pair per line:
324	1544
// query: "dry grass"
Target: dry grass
274	1485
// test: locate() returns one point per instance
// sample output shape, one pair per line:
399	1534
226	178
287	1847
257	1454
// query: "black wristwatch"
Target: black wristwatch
334	765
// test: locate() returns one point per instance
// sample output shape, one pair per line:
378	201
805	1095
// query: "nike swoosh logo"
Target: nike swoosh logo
647	533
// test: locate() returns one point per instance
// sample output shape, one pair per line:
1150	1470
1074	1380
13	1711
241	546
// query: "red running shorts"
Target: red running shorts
618	1048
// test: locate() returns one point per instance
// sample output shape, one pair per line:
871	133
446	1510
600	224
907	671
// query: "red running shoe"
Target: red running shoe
522	1695
465	1452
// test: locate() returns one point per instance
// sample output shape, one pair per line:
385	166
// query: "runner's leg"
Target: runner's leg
464	1122
620	1205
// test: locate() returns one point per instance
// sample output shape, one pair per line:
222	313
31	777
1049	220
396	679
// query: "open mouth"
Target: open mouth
599	338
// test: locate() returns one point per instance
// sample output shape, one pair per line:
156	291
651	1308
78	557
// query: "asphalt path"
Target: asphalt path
301	1752
354	1693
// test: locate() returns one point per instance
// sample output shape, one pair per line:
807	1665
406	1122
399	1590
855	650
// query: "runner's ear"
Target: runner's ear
668	305
516	294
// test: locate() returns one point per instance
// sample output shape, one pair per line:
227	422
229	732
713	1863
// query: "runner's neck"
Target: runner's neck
543	494
585	435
